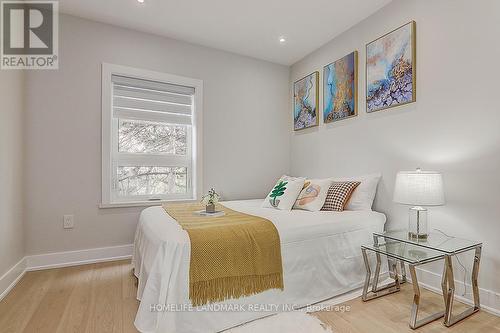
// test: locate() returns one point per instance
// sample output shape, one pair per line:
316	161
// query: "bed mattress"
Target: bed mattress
320	253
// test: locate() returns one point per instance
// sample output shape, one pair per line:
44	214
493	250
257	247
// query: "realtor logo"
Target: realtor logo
29	33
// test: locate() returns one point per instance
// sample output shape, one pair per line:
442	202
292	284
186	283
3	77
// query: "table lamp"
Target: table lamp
419	188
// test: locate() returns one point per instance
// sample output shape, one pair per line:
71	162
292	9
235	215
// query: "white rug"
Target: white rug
296	321
288	322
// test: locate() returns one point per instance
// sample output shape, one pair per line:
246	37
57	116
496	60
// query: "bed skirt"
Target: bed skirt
315	269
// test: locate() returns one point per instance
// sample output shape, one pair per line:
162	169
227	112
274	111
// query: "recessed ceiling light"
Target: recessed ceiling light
140	1
282	40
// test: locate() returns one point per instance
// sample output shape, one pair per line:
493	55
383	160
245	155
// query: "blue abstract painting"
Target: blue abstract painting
305	106
340	88
390	69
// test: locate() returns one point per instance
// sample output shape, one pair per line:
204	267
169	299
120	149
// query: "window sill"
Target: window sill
141	203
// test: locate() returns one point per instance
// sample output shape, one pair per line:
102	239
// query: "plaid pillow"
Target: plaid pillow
338	195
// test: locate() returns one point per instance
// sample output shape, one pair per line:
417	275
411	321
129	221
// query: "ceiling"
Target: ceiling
248	27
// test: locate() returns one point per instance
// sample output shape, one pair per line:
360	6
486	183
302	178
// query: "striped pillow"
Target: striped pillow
338	195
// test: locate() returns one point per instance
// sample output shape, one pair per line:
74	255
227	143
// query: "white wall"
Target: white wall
454	126
11	169
245	132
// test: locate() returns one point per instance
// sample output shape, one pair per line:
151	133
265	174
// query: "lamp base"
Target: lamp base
417	226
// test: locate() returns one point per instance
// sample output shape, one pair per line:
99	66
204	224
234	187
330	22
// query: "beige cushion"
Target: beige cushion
313	195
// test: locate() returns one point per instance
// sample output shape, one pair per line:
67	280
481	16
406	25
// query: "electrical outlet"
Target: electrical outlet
68	221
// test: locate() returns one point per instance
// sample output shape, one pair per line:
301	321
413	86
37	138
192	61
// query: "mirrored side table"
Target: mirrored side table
406	253
449	246
398	247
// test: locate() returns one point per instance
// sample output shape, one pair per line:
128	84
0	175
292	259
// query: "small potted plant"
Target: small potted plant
210	199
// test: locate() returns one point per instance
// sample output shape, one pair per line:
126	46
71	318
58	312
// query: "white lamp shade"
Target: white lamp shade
419	188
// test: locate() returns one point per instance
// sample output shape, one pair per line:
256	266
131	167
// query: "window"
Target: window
150	148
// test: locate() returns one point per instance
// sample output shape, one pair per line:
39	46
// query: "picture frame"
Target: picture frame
340	88
390	69
306	102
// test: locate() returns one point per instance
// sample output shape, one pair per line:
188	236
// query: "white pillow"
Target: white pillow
363	196
284	193
313	195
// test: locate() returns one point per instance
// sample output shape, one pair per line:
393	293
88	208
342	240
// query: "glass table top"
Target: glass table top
407	252
435	241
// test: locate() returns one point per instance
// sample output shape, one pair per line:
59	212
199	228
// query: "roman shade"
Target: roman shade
135	98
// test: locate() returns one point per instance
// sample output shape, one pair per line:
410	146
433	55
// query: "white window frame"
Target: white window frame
109	144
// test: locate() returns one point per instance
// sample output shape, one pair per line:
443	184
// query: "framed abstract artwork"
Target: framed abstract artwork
391	69
305	102
340	88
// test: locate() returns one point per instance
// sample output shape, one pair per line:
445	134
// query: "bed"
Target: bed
320	254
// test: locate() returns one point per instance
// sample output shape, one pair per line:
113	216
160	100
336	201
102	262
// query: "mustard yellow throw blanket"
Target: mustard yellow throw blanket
231	256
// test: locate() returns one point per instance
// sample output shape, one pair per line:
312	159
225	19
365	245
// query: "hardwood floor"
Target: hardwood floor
100	298
82	299
390	314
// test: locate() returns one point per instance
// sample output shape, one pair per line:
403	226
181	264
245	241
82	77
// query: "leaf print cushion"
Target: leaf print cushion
277	191
284	193
313	195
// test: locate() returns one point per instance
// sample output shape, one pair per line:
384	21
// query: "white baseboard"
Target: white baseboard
12	277
61	259
490	300
75	258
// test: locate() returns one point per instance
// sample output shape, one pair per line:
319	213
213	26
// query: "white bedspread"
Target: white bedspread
320	253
